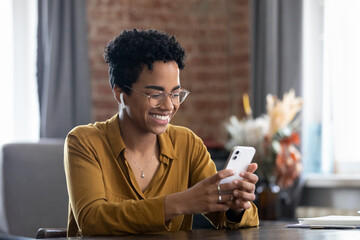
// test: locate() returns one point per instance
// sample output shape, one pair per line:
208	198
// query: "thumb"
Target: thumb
252	167
221	175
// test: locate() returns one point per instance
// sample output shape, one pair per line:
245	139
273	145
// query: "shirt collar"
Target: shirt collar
166	145
115	140
117	144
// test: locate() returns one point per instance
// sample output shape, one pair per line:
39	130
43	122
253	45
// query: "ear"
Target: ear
116	92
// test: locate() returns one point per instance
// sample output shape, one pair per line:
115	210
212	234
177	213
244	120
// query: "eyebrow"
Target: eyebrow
161	88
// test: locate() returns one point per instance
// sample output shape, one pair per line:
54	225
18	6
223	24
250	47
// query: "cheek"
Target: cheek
138	110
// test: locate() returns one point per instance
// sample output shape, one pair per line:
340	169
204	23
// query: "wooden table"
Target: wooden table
268	230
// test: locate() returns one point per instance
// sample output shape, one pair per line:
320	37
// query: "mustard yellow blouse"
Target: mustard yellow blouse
104	197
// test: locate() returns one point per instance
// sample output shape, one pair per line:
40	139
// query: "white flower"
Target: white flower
281	113
247	132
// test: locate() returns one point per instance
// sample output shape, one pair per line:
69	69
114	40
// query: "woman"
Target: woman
136	173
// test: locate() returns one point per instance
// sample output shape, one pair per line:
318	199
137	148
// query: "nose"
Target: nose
167	104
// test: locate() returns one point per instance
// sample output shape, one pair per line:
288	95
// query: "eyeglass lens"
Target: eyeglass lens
176	98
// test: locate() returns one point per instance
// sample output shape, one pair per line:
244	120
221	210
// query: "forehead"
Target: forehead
162	74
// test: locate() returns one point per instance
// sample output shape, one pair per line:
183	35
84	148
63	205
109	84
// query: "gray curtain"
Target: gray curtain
276	50
62	67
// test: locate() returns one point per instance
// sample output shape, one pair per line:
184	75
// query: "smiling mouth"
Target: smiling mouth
160	117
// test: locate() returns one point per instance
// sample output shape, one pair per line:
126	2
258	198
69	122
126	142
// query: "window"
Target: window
331	83
342	71
18	90
6	63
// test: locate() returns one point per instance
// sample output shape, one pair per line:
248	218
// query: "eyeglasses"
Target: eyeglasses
156	99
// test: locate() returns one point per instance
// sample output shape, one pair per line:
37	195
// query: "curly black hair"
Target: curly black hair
132	50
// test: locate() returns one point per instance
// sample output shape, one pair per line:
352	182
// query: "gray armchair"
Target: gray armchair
34	193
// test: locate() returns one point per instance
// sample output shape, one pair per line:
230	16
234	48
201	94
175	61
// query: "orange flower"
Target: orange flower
288	165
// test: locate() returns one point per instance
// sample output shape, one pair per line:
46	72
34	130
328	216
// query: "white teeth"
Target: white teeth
161	117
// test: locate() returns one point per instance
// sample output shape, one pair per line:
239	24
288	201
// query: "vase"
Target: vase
268	201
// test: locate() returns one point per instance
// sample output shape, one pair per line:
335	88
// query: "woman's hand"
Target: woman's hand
244	190
204	197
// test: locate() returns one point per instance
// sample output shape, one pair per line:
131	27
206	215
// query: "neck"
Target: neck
134	138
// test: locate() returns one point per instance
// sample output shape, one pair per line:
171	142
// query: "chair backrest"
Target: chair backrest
34	186
51	233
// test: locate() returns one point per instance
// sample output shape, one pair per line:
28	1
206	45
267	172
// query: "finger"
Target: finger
248	182
243	196
227	187
252	167
239	204
225	198
220	207
221	201
244	186
250	177
215	179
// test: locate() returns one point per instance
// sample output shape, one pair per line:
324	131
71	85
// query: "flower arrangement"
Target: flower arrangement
274	135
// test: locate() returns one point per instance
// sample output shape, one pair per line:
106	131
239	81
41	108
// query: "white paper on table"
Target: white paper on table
331	220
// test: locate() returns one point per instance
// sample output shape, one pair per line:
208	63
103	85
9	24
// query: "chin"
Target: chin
159	130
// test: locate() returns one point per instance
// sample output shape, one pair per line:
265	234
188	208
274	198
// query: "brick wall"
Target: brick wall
215	35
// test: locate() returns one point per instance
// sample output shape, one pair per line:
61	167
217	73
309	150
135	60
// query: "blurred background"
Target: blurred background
53	76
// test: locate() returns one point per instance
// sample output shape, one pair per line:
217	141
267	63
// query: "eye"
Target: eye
157	95
175	95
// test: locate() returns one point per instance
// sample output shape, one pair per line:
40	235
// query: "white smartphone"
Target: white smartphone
239	159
